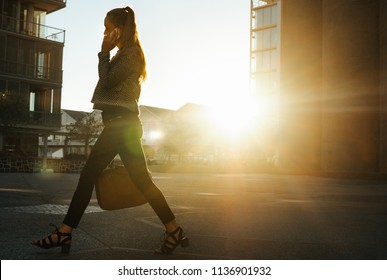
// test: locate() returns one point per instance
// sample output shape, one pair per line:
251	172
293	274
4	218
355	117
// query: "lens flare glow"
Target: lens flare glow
237	119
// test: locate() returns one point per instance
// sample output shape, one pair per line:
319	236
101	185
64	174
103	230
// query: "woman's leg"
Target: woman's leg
101	155
132	156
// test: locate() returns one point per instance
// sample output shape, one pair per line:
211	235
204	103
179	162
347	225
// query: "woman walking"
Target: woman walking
116	95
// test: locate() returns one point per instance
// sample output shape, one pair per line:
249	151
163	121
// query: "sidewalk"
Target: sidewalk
227	216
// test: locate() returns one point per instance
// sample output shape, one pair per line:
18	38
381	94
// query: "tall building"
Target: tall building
30	72
325	61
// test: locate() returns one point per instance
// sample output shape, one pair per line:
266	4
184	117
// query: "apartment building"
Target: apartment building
325	63
31	56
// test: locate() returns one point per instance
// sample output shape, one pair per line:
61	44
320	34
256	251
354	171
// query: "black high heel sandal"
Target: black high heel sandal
178	238
62	239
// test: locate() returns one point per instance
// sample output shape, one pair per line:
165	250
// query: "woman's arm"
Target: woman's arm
112	72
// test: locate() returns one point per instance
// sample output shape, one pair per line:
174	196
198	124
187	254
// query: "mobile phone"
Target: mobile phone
114	36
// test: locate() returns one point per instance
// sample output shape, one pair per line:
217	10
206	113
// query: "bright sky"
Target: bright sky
197	50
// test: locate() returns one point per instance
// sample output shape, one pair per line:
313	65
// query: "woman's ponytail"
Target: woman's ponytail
125	19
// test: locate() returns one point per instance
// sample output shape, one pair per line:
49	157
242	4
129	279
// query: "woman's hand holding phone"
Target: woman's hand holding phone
110	41
114	35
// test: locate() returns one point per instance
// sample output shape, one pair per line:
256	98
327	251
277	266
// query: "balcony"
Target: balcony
16	114
32	29
49	6
30	71
37	120
47	120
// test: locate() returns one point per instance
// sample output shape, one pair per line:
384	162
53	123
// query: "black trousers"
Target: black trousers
121	135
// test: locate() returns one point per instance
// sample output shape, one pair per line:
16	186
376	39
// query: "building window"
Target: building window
264	46
265	60
259	3
43	65
52	101
32	101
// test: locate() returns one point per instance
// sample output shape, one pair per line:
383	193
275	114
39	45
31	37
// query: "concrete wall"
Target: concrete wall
350	86
301	84
333	56
383	85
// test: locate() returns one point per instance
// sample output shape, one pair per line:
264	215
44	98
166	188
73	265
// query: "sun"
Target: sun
239	118
232	120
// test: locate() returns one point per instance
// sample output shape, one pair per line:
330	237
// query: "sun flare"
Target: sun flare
241	117
231	119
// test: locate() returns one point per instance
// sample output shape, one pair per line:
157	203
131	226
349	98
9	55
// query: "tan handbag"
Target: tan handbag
115	190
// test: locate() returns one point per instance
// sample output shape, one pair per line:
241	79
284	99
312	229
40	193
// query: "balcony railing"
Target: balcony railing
35	119
259	3
32	29
31	71
43	119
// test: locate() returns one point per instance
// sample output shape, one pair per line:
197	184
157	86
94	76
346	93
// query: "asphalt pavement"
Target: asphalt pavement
226	216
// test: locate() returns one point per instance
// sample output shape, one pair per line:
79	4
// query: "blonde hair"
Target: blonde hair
124	18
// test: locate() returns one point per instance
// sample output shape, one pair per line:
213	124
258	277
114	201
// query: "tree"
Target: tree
86	130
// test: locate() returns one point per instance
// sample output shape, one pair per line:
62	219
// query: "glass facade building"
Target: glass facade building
264	46
31	55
